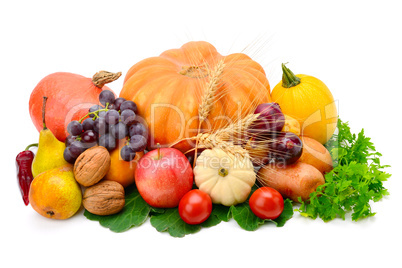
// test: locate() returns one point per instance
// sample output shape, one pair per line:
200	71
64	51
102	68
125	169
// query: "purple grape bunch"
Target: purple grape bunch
106	123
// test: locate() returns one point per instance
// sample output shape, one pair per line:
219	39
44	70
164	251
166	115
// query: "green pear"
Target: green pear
50	149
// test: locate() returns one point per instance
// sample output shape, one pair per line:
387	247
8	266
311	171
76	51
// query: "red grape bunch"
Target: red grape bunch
112	120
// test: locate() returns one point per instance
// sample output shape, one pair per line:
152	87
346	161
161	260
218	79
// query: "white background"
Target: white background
353	46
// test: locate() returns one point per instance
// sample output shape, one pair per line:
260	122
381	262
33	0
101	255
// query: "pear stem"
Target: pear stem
43	112
31	145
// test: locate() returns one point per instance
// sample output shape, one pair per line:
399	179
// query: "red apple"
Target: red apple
163	176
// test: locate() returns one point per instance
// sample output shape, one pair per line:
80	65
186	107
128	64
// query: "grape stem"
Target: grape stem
95	113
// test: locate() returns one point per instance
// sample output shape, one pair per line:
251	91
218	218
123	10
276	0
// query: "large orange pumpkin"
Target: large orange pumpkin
168	91
69	98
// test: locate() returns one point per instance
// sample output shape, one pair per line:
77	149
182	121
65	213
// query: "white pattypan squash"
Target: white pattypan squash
226	178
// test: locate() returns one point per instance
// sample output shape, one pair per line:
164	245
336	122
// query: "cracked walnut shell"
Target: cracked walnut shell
104	198
92	165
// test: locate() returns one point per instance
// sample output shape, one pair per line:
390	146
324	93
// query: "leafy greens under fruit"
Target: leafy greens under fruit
136	211
356	179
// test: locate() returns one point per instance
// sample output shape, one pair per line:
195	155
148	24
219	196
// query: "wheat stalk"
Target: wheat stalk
239	128
212	86
207	99
226	134
210	141
223	138
231	138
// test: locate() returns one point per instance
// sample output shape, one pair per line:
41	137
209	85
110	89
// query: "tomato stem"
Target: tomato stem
289	79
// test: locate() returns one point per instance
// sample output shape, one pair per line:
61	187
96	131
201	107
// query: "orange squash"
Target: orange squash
122	171
69	98
168	91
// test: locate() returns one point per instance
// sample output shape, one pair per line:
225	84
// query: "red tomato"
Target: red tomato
195	207
266	203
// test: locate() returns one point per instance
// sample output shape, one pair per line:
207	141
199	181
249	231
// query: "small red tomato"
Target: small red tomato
195	207
266	203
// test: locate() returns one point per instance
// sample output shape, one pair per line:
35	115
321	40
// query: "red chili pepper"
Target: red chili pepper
23	162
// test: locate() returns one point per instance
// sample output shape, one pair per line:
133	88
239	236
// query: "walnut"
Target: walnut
92	165
104	198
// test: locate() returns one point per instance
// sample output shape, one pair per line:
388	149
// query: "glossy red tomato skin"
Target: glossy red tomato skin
195	207
266	203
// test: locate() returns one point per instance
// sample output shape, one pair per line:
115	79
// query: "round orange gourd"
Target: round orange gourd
168	90
308	100
69	98
122	171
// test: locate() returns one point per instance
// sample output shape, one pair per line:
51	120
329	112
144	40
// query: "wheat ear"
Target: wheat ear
209	94
208	98
239	128
223	138
210	141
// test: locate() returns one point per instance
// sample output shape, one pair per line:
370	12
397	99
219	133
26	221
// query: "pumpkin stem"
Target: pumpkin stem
43	112
103	77
289	79
223	172
200	71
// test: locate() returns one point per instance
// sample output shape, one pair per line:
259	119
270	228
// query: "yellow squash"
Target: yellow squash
309	101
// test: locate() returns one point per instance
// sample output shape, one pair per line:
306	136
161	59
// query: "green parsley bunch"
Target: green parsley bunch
356	179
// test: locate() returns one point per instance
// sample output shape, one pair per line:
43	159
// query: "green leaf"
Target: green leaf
171	222
134	213
286	214
219	213
247	220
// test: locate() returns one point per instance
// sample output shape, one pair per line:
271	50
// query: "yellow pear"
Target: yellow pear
50	149
55	193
